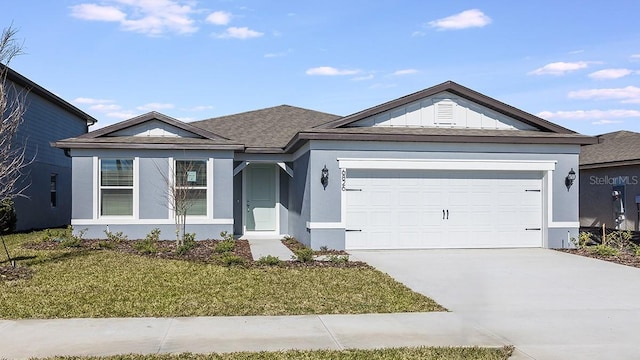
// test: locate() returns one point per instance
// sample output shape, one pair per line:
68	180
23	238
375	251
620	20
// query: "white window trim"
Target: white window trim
98	189
208	188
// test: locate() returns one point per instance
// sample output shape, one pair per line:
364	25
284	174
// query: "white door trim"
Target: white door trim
276	232
447	164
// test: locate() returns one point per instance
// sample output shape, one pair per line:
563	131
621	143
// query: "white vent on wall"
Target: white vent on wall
444	112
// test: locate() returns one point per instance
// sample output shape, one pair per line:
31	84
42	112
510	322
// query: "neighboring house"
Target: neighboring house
611	165
47	118
445	167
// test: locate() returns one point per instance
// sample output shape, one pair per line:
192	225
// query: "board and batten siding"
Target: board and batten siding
443	110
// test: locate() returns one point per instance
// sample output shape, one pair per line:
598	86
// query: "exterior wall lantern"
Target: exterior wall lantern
324	179
571	177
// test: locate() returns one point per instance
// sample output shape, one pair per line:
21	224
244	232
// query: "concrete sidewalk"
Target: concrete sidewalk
268	246
101	337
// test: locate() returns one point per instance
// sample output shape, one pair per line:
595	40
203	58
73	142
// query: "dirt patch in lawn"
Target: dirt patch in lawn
10	273
293	244
623	258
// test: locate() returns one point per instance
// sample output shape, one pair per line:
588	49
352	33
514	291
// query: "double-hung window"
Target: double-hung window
191	186
116	187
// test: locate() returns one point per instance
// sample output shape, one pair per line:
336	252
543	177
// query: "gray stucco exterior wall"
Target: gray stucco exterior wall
325	205
299	199
153	203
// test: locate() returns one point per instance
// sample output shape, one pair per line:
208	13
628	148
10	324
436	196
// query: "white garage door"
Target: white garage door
412	209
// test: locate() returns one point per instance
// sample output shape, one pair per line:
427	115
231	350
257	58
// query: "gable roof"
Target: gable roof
34	88
266	130
461	91
613	149
103	138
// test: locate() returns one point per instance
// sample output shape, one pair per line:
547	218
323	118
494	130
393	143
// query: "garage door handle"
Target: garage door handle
447	214
352	189
352	230
442	214
533	229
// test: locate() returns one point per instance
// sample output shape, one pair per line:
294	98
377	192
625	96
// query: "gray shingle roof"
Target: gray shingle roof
266	128
614	149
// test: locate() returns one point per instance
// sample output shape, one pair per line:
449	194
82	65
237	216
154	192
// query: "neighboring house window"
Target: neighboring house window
54	190
116	187
191	185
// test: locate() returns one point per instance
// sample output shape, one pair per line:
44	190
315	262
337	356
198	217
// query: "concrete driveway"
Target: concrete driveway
549	304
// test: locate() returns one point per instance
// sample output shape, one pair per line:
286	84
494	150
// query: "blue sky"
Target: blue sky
575	63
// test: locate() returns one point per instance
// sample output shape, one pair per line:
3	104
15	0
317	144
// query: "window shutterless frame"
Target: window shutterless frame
116	187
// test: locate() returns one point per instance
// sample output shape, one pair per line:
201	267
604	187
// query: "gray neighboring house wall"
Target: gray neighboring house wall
47	118
613	164
443	167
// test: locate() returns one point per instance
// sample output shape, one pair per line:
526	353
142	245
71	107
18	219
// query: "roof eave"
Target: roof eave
302	137
609	164
96	145
31	86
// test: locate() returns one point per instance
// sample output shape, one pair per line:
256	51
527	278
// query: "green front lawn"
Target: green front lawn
426	353
102	283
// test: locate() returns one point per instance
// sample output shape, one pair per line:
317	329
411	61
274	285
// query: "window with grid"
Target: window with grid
116	187
191	185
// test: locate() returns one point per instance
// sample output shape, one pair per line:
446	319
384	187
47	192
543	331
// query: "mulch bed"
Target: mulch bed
294	245
623	258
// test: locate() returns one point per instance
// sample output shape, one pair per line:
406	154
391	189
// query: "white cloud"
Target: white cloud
590	114
330	71
404	72
97	12
363	78
239	33
418	33
610	74
629	94
105	107
83	100
155	106
278	54
150	17
606	122
123	115
466	19
219	18
560	68
635	56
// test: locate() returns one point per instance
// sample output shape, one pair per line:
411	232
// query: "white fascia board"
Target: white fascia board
448	164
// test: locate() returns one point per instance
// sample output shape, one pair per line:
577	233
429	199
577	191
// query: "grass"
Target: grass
428	353
79	283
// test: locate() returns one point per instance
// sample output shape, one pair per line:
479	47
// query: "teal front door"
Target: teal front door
260	191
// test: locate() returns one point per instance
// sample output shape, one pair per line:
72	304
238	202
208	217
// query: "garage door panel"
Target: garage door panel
404	209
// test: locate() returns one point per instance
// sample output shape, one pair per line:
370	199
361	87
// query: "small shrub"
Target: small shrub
231	260
150	243
115	237
637	251
269	260
105	244
303	255
324	248
69	239
338	259
226	236
56	234
620	240
584	239
604	250
225	246
8	217
188	243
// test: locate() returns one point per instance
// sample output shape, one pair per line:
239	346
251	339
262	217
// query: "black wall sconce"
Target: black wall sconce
324	180
571	177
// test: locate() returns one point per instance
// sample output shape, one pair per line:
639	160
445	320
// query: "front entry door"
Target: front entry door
260	197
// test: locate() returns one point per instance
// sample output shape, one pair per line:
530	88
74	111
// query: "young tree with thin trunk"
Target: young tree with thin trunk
12	108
